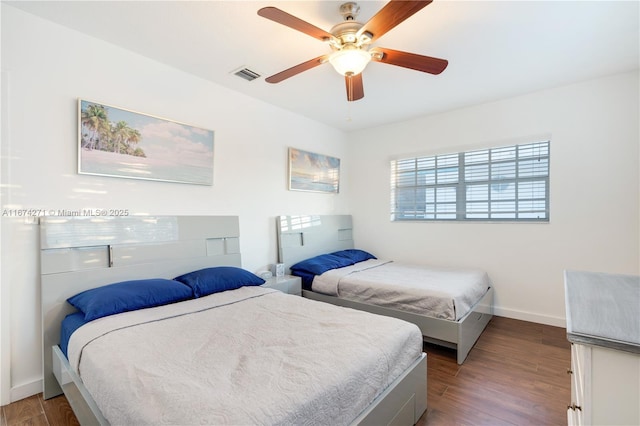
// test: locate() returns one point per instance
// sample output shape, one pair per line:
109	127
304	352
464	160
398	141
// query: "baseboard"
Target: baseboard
530	316
26	390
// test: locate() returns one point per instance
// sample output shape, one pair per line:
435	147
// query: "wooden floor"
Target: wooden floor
516	374
34	411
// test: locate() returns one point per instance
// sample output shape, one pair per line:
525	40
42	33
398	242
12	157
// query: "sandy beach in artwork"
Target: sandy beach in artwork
122	165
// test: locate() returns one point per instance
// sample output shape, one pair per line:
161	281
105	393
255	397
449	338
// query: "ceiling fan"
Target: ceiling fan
350	42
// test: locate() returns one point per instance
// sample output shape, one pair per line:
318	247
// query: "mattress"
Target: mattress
445	293
246	356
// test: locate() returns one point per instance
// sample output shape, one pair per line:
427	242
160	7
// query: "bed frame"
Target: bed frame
79	253
302	237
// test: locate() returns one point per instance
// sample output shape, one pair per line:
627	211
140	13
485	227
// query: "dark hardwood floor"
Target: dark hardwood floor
35	411
515	375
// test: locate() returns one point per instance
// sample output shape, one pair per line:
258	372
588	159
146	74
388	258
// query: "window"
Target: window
499	184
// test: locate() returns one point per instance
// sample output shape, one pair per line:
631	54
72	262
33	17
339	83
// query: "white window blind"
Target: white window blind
498	184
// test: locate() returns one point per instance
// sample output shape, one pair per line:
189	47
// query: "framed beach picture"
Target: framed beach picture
121	143
313	172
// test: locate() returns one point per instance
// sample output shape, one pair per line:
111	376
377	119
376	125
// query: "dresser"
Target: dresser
603	326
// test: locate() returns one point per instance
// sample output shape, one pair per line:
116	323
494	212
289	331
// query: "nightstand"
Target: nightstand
286	284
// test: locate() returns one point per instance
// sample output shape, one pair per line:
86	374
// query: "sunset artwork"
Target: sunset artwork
120	143
313	172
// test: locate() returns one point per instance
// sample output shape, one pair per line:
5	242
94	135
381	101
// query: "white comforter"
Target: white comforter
247	356
445	293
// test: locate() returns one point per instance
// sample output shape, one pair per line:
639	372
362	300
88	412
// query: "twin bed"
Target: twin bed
225	350
450	306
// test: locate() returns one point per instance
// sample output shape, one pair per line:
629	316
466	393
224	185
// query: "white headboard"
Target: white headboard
79	253
302	237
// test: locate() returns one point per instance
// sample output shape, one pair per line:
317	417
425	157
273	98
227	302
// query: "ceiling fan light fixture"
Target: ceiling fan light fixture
350	60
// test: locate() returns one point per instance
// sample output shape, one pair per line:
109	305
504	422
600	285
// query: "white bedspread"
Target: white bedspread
445	293
247	356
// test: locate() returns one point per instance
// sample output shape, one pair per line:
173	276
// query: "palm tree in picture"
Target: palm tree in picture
123	136
120	130
95	120
138	152
133	138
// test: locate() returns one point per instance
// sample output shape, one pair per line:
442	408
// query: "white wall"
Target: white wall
594	190
47	67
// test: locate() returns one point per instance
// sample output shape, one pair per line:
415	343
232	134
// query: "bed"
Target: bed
228	352
455	320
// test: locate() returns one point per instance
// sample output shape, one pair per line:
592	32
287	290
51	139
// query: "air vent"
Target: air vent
247	74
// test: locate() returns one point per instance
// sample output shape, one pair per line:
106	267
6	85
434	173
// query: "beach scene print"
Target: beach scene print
313	172
121	143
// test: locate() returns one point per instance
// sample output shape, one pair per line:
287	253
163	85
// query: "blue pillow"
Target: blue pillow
128	296
221	278
354	254
321	264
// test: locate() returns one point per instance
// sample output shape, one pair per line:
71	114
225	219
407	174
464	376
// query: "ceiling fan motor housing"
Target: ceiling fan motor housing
346	32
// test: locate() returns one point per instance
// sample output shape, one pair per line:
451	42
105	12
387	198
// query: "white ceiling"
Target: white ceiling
495	49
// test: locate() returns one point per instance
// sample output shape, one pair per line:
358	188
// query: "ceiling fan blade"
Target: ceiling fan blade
410	60
291	21
391	15
355	89
297	69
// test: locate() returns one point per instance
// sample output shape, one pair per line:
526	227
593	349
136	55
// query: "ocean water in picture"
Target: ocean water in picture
313	172
110	164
